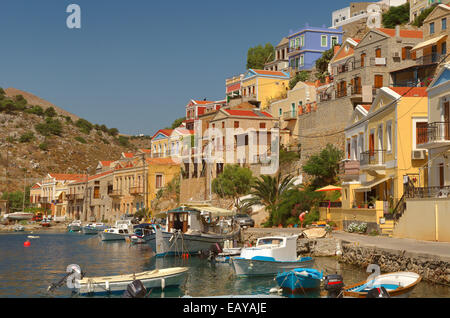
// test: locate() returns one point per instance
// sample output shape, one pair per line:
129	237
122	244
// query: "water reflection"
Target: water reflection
28	271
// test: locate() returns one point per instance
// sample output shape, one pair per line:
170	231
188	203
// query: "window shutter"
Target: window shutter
403	53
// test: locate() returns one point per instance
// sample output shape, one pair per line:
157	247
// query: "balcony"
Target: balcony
435	135
373	160
341	93
356	90
349	169
137	190
428	192
430	59
115	193
290	115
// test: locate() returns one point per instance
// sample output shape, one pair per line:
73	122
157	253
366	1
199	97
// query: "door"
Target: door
441	176
378	81
363	58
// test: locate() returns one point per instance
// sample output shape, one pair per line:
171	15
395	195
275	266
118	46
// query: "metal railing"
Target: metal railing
372	157
437	131
290	115
428	192
430	59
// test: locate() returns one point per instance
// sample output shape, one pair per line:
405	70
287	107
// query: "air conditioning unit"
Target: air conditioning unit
418	154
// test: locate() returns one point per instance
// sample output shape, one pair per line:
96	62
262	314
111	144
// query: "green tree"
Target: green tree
50	127
396	16
234	182
84	125
123	141
20	102
269	191
36	110
324	166
322	64
177	122
302	76
16	199
257	56
113	132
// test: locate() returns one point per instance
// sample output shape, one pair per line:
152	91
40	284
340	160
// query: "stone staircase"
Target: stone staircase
387	228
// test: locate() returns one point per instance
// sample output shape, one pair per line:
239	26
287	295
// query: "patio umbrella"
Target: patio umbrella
329	188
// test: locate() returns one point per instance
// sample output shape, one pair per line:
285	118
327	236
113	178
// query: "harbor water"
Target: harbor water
27	271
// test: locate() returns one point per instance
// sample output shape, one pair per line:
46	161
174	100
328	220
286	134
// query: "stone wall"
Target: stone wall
432	269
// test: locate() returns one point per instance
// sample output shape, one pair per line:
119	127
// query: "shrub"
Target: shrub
113	132
396	16
358	228
43	146
50	112
36	110
84	125
123	141
418	22
50	127
27	137
69	119
81	139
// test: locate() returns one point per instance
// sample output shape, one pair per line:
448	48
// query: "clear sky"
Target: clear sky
135	64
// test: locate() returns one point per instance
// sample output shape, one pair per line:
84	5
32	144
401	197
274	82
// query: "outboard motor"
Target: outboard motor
380	292
214	251
333	284
135	290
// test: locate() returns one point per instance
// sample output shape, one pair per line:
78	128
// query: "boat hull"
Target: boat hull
294	282
398	285
20	216
187	243
105	236
74	228
119	284
91	230
251	267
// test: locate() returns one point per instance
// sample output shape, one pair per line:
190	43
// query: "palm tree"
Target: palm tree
268	191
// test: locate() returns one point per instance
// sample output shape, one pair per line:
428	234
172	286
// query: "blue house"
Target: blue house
308	44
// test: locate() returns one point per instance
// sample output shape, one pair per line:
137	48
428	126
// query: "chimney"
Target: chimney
397	31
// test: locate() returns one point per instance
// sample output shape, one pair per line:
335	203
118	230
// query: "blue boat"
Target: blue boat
299	280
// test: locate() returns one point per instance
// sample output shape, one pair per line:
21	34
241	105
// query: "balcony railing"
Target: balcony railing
136	190
430	59
372	158
341	93
428	192
290	115
115	193
434	132
356	90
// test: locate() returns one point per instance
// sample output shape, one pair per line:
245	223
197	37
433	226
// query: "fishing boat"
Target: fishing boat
93	228
397	285
299	280
192	229
119	232
271	255
45	222
74	226
19	216
158	278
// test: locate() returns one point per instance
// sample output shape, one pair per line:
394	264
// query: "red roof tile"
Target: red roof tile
128	154
264	72
403	33
166	132
411	91
249	113
161	161
67	176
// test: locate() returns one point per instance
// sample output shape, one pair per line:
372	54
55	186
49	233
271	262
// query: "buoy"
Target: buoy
26	243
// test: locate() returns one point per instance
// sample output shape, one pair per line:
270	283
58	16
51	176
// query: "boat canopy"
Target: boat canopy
212	210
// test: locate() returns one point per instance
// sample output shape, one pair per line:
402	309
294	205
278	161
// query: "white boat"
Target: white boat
188	231
19	216
270	256
119	232
19	228
397	285
74	226
93	228
158	278
142	233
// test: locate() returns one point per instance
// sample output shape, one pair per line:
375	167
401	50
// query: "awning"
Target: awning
215	211
365	187
428	42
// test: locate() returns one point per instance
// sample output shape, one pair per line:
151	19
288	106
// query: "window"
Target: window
363	57
292	44
280	111
302	41
389	136
159	181
444	23
378	52
262	125
223	124
421	133
236	124
297	43
378	81
334	41
96	192
324	41
444	48
302	60
432	28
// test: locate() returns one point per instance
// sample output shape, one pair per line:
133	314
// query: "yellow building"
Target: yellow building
382	152
161	171
258	86
160	143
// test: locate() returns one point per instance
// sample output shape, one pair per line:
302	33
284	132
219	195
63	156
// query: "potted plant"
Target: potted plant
372	202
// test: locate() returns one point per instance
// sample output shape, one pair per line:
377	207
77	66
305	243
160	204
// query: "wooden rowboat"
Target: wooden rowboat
398	285
158	278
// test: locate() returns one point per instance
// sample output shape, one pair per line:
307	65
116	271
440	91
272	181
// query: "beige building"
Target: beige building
280	61
416	7
298	101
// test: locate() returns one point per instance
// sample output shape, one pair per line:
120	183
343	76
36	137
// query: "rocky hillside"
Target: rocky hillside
37	137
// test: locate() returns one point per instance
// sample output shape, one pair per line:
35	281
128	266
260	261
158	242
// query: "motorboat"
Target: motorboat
19	216
74	226
270	256
45	222
119	232
397	285
93	228
158	278
142	233
192	229
299	280
19	228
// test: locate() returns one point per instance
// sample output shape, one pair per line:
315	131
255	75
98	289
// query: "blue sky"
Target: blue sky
135	64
